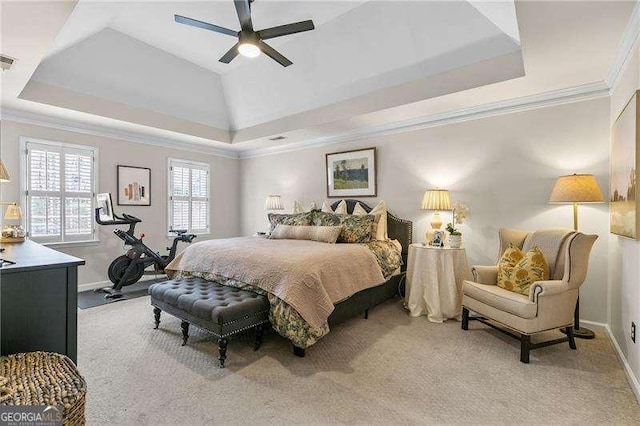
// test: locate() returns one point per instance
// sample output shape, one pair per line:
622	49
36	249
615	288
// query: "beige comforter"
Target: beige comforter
308	275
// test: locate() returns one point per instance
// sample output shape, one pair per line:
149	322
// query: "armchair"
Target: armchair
550	304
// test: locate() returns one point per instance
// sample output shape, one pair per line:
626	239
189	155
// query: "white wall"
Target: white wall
624	254
225	176
502	167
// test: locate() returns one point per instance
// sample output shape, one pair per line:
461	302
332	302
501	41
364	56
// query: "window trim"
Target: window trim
201	164
78	241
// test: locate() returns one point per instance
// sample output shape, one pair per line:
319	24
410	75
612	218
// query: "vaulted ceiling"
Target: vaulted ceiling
128	65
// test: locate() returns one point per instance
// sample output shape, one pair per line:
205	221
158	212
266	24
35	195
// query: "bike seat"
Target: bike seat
178	231
187	238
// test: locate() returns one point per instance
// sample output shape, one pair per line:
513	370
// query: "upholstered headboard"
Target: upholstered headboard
398	229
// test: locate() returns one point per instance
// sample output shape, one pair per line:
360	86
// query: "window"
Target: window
60	189
189	196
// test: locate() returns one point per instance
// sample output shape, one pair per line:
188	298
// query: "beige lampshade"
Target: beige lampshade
576	188
273	202
4	174
436	199
14	212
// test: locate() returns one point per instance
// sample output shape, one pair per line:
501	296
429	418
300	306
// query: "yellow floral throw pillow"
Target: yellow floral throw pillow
517	271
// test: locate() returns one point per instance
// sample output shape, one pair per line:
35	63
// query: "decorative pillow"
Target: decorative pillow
297	207
323	234
511	256
531	267
300	219
356	229
341	208
379	230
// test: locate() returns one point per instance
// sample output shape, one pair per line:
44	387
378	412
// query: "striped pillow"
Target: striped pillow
323	234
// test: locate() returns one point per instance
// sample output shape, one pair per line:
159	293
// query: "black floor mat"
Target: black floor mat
90	299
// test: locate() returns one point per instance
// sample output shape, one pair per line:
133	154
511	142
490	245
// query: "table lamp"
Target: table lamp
13	233
577	188
273	203
436	200
4	175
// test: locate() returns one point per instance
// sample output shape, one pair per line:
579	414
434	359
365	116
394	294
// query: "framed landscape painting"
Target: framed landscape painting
134	186
623	204
351	173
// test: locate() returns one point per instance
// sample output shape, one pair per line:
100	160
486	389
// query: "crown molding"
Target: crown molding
626	48
508	106
546	99
107	132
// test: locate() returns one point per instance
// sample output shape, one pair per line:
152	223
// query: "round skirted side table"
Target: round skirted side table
434	282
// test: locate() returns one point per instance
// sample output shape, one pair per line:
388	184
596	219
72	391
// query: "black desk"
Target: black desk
38	300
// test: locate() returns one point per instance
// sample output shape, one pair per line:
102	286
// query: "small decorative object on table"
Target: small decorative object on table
438	239
455	236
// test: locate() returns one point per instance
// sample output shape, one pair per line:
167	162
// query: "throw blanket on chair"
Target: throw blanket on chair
549	241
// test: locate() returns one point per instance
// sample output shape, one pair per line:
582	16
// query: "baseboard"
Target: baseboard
599	325
101	284
631	377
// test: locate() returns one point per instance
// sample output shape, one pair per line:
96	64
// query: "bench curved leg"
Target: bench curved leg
259	334
222	349
156	317
185	332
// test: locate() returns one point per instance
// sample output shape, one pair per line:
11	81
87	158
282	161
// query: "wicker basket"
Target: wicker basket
43	378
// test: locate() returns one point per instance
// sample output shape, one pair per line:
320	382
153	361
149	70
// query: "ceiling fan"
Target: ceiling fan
250	42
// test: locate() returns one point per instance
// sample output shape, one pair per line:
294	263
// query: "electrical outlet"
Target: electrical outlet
633	331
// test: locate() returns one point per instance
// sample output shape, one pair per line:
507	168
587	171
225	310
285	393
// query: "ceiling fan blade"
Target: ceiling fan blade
243	8
283	30
230	55
274	54
204	25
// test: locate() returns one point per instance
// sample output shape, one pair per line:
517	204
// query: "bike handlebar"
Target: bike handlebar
125	219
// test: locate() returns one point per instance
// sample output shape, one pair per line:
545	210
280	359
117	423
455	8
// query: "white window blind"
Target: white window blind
60	189
189	196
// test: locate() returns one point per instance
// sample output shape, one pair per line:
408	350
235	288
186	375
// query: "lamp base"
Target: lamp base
582	333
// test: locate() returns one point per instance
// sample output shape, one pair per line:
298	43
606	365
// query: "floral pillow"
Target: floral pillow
356	229
517	271
296	219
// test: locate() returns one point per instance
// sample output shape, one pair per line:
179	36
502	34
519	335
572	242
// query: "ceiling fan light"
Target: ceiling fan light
249	50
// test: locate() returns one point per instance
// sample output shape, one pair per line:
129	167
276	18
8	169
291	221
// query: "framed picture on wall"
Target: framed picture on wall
134	186
623	206
352	173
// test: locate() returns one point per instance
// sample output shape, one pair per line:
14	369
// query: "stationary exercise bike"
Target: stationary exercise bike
130	267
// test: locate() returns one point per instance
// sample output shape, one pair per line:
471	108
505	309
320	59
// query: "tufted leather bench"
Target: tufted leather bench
221	310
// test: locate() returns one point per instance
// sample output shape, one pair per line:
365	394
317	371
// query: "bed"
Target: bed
321	296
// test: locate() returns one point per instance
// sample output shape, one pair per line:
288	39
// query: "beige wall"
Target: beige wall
502	167
624	254
225	174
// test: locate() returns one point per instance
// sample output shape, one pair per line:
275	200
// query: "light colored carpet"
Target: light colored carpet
387	369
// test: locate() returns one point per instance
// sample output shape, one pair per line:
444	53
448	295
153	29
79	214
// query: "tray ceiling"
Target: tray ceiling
129	65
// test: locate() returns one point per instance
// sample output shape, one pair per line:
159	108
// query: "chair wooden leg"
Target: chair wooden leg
465	318
525	348
570	336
